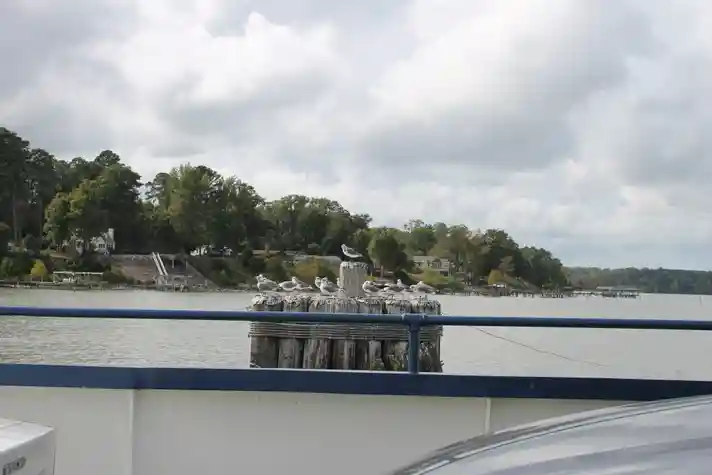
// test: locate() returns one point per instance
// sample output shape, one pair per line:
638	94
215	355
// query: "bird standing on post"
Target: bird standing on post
265	285
350	252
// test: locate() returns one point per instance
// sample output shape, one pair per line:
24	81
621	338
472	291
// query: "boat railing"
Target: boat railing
413	321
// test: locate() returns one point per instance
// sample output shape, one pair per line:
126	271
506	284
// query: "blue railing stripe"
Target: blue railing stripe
347	382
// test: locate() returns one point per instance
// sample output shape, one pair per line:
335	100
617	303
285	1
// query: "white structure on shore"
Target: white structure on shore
441	265
104	243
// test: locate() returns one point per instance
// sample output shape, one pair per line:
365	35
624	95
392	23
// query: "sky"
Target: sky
584	127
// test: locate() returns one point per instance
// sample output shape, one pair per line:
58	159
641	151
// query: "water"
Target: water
491	351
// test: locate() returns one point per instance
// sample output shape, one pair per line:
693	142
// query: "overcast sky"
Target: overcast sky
581	126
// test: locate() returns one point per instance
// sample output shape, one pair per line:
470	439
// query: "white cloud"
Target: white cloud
578	126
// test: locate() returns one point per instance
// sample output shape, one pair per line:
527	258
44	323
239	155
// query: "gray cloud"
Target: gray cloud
571	124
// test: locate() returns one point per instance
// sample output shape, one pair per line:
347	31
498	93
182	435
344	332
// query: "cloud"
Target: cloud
577	126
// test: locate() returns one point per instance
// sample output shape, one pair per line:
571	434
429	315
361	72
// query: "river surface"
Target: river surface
491	351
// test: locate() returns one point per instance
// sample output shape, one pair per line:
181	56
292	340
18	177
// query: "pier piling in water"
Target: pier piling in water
345	346
352	275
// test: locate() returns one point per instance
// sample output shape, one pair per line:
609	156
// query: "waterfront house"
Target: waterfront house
438	264
103	243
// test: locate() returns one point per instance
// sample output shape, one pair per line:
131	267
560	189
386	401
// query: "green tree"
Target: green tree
422	237
13	174
39	270
57	221
5	238
387	252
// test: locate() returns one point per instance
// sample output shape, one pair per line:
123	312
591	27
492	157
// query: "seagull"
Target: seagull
301	286
424	288
397	287
350	252
371	288
262	278
288	286
265	285
328	288
317	282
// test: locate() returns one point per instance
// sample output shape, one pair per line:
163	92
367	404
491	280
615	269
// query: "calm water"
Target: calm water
503	351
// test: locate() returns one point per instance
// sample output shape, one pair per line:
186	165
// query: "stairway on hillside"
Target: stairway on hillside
143	269
138	267
176	266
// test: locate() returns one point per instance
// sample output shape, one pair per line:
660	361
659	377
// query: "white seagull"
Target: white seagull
371	288
423	288
350	252
397	287
288	286
301	286
265	285
328	288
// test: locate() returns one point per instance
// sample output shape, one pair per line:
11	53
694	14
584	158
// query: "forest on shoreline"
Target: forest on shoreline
664	281
46	203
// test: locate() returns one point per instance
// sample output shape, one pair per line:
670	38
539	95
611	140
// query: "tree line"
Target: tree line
46	202
665	281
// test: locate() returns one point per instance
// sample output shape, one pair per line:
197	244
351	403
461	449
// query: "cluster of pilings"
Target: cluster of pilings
362	346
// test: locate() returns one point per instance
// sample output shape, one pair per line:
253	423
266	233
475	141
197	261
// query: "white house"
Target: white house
438	264
104	243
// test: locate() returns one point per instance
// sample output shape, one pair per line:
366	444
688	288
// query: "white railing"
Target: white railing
160	266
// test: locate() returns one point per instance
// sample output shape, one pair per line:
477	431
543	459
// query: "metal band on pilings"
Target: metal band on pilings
342	331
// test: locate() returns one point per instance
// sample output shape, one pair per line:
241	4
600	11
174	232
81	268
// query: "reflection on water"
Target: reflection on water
571	352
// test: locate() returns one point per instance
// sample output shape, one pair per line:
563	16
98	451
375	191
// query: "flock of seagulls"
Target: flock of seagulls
321	284
373	288
326	287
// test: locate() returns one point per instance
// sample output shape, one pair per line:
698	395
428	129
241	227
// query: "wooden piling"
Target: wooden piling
395	352
430	361
291	350
352	276
264	349
343	350
369	353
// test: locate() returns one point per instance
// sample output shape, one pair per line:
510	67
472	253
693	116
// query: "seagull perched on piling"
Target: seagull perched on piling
351	253
327	287
288	286
301	286
423	288
371	288
397	287
265	285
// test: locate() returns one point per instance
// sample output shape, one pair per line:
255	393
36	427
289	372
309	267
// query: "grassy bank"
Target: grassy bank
229	272
27	265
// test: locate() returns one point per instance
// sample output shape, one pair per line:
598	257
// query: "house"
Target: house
438	264
103	244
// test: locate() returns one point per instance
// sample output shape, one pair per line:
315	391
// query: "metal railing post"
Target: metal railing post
413	342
